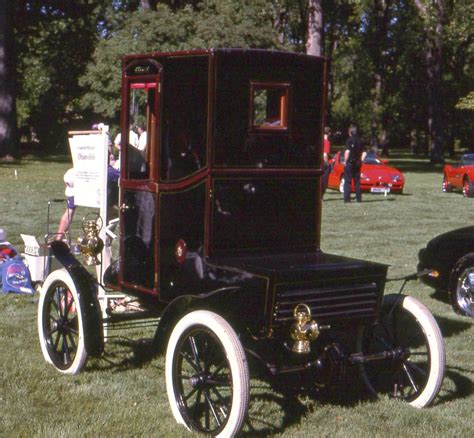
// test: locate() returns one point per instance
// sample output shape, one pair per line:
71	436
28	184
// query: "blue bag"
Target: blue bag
14	274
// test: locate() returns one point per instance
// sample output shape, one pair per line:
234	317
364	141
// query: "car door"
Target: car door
138	178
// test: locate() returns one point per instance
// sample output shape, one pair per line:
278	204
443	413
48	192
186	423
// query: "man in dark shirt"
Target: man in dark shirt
353	156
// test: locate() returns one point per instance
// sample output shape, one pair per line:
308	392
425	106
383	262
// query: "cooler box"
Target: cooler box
37	256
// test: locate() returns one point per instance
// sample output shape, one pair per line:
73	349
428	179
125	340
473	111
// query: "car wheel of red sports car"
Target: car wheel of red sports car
207	376
461	286
409	338
341	185
446	186
467	188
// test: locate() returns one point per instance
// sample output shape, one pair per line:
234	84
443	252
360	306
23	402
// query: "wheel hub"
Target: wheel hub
199	381
62	325
465	293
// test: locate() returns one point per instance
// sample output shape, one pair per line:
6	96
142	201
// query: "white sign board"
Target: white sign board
89	152
89	156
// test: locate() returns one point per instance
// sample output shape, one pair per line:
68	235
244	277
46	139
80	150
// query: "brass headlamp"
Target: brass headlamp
304	329
91	245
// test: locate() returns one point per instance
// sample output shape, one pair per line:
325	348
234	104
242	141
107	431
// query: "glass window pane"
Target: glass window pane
141	120
270	106
184	117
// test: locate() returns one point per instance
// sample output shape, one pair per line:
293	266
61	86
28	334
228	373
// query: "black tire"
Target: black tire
207	377
416	375
461	286
60	326
446	186
467	188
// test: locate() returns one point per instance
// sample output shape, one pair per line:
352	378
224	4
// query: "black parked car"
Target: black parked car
450	256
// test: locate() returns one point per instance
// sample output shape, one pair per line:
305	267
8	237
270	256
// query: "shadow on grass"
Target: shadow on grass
278	402
463	385
293	402
440	295
451	327
124	353
42	157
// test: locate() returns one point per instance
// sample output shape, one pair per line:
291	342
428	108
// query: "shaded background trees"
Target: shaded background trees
8	134
402	69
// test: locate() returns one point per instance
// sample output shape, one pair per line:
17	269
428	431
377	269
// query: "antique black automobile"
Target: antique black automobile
220	211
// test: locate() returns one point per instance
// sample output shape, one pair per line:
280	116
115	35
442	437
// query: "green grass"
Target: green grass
120	395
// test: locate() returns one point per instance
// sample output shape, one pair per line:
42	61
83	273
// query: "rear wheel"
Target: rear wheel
446	186
461	286
415	370
467	188
207	376
60	326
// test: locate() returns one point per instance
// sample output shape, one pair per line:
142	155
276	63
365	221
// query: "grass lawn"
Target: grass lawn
121	395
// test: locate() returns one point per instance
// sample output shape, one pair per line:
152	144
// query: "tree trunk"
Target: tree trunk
331	49
434	28
8	125
314	42
377	45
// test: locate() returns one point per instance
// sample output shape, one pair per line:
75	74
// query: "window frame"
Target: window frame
284	125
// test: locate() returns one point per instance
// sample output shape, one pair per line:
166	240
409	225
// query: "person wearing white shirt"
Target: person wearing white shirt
142	139
132	139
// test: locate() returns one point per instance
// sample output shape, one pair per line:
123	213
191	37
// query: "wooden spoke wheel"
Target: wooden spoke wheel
207	375
415	370
60	326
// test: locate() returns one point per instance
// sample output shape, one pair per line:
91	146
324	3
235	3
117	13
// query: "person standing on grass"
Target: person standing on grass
354	154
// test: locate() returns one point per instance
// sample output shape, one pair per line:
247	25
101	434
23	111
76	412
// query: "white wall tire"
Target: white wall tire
207	377
416	378
60	324
341	185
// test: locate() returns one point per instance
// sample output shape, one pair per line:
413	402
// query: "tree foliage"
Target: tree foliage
211	23
51	61
402	69
8	134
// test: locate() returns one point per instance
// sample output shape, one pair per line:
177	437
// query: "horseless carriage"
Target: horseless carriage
220	214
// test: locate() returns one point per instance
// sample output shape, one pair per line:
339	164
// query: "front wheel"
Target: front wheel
467	188
207	377
461	286
60	325
415	370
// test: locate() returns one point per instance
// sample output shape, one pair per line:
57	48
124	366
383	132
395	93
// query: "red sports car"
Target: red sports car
460	176
375	176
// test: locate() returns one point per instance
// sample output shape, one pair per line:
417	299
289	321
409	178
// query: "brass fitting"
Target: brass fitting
91	244
304	329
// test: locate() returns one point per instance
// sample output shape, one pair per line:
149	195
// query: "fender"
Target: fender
89	304
187	303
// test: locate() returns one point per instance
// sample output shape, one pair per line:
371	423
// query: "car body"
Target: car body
460	176
376	175
220	219
450	258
